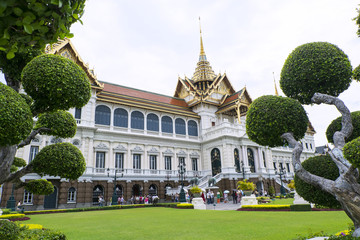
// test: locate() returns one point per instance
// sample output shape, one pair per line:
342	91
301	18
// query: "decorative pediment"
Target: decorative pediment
153	151
194	155
181	153
137	149
119	148
101	146
168	152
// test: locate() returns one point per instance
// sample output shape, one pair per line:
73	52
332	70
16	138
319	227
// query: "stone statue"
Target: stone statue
212	182
194	181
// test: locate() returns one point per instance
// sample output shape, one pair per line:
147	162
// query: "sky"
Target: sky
148	44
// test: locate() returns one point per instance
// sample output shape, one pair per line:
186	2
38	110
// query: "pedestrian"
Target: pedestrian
119	200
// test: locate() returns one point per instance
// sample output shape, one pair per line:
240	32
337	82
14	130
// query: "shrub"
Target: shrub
315	67
300	207
61	123
195	190
12	216
245	185
39	186
185	205
271	116
55	83
8	230
60	159
47	234
15	118
352	152
335	125
322	166
271	191
31	226
6	211
265	207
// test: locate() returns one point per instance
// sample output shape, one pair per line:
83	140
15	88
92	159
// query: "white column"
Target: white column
260	166
245	159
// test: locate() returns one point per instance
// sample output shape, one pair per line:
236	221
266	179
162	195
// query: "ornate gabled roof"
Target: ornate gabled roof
113	93
236	104
66	49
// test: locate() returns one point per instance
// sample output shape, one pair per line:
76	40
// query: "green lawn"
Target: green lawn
167	223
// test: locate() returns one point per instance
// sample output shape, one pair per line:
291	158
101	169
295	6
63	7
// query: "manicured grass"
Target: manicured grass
283	201
167	223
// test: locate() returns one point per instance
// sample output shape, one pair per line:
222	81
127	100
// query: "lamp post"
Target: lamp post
11	202
182	171
114	196
281	173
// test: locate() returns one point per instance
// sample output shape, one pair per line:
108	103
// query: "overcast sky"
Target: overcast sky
147	44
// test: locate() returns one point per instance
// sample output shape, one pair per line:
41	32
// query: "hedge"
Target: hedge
12	216
265	207
300	207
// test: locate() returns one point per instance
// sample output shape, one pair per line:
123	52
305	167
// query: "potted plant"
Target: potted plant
246	187
196	191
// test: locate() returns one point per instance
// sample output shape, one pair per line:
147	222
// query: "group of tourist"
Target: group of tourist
144	200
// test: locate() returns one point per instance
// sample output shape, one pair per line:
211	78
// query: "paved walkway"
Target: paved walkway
223	206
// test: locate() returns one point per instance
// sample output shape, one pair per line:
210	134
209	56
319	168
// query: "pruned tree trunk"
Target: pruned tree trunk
345	188
7	155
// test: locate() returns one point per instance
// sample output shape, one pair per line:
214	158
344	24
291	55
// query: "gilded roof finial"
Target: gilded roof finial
202	52
276	91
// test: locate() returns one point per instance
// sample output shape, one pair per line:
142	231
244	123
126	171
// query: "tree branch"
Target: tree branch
32	136
322	183
347	127
17	175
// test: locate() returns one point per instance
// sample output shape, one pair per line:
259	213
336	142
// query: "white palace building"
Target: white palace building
144	136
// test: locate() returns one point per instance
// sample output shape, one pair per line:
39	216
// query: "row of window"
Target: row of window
103	116
28	196
153	161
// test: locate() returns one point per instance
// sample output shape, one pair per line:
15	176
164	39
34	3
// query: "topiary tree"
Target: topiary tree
322	166
335	126
311	74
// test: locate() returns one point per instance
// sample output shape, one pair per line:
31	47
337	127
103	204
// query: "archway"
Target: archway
215	161
97	191
136	190
50	200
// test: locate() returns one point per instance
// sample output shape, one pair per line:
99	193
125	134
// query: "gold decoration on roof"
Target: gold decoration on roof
203	71
276	91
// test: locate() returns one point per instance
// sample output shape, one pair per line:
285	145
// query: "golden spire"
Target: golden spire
276	91
203	71
202	52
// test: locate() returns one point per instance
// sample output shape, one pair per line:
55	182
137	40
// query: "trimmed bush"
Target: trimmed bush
39	186
315	67
185	205
352	152
300	207
61	124
322	166
55	83
60	159
271	116
15	117
265	207
12	216
335	125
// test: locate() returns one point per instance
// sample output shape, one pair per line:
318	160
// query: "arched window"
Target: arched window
102	115
251	160
55	140
215	161
237	160
76	142
137	120
192	128
71	195
166	124
180	126
152	122
120	118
